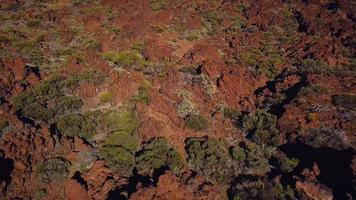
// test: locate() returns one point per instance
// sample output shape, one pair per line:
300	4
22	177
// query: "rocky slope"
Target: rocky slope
177	99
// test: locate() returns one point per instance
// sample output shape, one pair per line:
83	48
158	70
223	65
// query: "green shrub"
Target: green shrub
128	58
314	66
246	188
347	101
68	103
143	92
238	153
19	101
158	153
105	97
37	111
211	20
192	37
196	122
238	25
286	164
118	149
189	70
231	113
53	170
283	192
326	137
256	158
124	120
186	106
40	194
313	89
51	98
158	4
30	49
210	157
261	127
75	124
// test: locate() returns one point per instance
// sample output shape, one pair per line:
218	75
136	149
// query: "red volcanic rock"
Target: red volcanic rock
74	191
101	180
156	52
168	187
124	86
314	191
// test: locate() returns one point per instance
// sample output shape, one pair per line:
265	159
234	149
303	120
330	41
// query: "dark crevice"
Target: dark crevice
157	173
335	166
6	167
78	177
303	25
290	94
128	189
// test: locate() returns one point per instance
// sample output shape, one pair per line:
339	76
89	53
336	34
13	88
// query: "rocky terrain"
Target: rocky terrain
177	99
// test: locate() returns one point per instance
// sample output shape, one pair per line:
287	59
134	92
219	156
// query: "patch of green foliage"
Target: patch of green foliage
283	192
261	127
53	170
124	120
81	2
158	4
211	20
314	67
284	163
76	124
192	37
118	150
261	60
30	49
189	70
237	25
210	157
220	162
119	147
196	122
40	194
50	100
253	187
128	58
38	111
105	97
347	101
158	153
253	158
68	104
231	113
186	106
143	92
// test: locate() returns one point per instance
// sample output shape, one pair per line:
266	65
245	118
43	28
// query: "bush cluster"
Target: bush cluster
347	101
253	187
48	99
53	170
221	162
119	147
76	124
196	122
127	58
210	157
261	127
158	153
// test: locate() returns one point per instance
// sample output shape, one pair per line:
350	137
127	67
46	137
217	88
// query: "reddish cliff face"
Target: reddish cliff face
164	99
